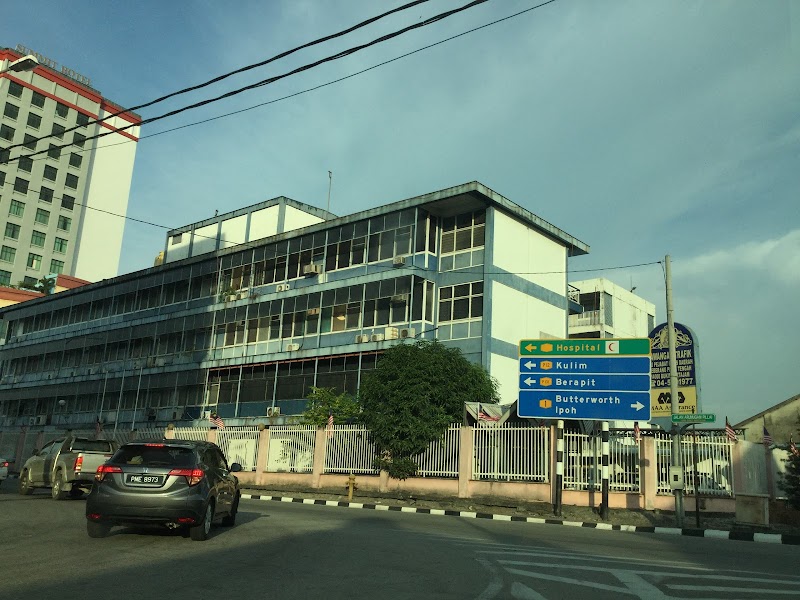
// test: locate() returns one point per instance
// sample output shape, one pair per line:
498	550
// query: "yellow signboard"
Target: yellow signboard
660	405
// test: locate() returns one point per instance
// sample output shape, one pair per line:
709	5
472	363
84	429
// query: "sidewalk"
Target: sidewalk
722	526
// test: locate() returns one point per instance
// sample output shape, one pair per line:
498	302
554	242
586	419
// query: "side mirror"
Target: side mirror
236	467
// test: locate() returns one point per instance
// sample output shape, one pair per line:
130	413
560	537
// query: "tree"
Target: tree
326	401
413	395
790	481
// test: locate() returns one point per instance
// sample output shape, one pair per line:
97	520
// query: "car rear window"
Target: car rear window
154	456
92	446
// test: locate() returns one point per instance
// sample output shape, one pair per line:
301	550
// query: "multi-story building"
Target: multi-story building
48	201
609	311
248	310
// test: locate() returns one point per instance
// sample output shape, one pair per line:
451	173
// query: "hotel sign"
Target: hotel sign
48	62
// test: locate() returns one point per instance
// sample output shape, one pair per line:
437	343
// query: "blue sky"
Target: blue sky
641	128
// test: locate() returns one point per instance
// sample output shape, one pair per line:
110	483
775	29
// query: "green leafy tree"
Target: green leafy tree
791	480
327	401
414	394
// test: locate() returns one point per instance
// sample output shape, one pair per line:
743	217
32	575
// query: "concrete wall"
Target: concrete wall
295	219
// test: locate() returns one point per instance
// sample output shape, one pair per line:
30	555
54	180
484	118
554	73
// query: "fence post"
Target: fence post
465	458
559	482
263	454
648	471
604	504
320	450
211	436
169	434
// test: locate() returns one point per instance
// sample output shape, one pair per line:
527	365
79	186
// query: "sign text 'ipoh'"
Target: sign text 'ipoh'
48	62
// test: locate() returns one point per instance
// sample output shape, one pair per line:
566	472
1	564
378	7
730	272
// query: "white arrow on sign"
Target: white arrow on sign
530	364
637	406
529	381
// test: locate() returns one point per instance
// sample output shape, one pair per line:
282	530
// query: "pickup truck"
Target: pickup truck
66	465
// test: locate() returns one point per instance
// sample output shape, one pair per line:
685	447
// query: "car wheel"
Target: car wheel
58	487
230	520
25	487
200	532
97	530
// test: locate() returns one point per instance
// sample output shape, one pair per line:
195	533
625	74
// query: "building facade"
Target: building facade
610	311
247	330
47	200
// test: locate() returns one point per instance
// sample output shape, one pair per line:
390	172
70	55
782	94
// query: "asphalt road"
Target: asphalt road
281	550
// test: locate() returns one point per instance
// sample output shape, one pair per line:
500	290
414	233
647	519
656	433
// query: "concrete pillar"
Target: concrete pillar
212	435
320	448
465	454
169	434
263	455
648	471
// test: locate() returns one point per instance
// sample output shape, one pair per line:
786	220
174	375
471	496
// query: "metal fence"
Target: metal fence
714	464
197	434
510	453
583	462
240	444
291	448
349	449
441	457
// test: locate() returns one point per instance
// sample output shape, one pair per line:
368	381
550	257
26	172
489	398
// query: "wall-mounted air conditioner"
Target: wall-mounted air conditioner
377	337
311	312
273	411
283	287
360	339
407	333
399	299
312	269
292	347
41	419
391	333
398	261
206	414
31	420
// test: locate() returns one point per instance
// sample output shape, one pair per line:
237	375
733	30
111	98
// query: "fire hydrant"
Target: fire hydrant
351	485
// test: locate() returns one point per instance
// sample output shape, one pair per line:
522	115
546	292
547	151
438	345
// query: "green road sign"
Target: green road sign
585	347
696	418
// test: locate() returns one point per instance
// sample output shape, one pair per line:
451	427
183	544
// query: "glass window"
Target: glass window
17	208
5	277
57	131
78	139
11	111
71	181
60	245
82	119
460	302
56	266
50	172
64	223
12	231
2	178
25	164
21	185
14	89
45	194
30	141
37	239
75	160
8	254
62	110
54	151
34	261
67	202
37	99
6	132
34	120
42	216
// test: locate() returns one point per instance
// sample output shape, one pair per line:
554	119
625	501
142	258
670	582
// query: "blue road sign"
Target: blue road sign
585	364
600	406
588	383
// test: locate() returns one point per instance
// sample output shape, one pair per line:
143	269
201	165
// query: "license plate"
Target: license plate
154	480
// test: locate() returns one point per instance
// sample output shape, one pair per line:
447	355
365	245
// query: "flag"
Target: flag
98	428
637	433
792	448
767	438
329	428
216	420
730	432
482	416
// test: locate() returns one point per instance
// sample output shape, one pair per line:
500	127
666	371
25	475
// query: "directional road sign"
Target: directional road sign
606	379
696	418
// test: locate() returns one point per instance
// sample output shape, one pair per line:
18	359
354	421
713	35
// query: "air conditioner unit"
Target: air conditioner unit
360	339
399	299
377	337
312	312
41	419
151	361
312	269
31	420
391	333
206	414
274	411
292	347
283	287
407	333
159	362
398	261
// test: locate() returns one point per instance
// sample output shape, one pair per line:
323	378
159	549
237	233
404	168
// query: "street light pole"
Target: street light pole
677	457
26	63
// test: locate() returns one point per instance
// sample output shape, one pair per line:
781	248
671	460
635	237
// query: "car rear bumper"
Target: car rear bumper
156	509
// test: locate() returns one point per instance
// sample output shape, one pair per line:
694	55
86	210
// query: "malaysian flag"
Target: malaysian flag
216	420
637	433
730	432
792	448
482	416
329	428
767	438
98	428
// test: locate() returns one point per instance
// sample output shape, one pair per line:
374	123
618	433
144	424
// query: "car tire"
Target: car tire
199	533
58	487
25	487
230	519
97	530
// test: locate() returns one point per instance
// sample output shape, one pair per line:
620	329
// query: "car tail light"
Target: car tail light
193	476
102	470
78	464
4	463
94	516
153	445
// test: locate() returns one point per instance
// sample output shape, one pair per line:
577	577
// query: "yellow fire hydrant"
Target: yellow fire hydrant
351	485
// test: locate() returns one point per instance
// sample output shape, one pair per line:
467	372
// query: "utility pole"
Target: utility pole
677	459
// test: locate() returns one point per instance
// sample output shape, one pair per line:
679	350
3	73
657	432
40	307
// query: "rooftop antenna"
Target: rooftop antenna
330	184
633	287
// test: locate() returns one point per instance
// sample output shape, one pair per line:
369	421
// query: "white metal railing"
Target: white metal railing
583	466
590	317
291	448
240	445
714	464
441	457
197	434
349	450
509	453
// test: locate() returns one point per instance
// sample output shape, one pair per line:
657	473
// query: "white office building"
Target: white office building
609	311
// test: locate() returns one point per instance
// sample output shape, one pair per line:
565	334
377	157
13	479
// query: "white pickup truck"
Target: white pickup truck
66	465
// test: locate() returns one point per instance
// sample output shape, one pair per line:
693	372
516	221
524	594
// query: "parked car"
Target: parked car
4	464
66	465
171	483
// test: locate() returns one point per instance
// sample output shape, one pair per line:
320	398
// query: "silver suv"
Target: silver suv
172	483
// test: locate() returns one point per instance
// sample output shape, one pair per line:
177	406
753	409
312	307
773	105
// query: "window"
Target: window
54	151
45	194
37	239
464	301
2	178
34	120
5	277
60	245
75	160
29	282
78	139
62	110
58	131
42	216
21	185
12	231
56	266
50	172
16	209
67	202
37	99
14	89
34	261
176	239
11	111
64	223
6	132
25	164
30	141
82	119
71	181
8	254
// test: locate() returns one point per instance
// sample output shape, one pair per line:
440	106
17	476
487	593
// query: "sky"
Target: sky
644	129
